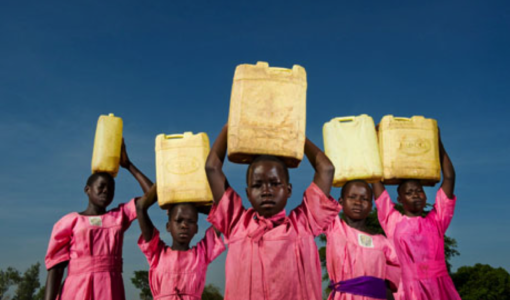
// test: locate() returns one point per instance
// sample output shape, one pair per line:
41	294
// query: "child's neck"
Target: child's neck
413	214
357	224
93	210
179	247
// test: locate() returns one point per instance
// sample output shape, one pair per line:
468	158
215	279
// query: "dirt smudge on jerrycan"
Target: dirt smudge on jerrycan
107	145
267	113
180	169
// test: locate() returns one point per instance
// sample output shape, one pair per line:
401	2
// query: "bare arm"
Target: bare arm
324	169
378	189
214	166
54	280
145	183
448	184
142	206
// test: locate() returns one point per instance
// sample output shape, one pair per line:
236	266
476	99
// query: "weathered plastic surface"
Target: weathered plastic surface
409	149
180	169
351	145
267	113
107	145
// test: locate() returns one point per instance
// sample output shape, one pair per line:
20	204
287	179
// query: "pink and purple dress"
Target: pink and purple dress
180	275
93	247
353	256
419	243
273	258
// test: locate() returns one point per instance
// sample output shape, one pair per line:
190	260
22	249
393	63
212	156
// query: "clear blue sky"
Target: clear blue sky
167	67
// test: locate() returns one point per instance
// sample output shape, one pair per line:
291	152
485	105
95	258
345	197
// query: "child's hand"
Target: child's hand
124	159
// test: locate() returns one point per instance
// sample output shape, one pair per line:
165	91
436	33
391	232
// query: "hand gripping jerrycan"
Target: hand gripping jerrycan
409	149
351	145
267	113
107	145
180	169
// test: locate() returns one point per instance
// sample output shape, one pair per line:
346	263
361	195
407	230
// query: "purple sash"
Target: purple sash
367	286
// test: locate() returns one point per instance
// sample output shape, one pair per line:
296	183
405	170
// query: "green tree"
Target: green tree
141	282
482	282
211	292
28	284
8	278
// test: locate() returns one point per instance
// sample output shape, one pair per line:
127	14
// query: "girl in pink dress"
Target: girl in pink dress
418	239
89	243
361	265
176	272
271	255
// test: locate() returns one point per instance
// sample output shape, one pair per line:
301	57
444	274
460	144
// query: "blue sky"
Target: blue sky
167	67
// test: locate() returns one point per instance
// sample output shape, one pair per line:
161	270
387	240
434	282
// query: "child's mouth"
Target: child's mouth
267	204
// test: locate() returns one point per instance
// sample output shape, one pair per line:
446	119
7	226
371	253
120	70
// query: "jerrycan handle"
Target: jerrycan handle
401	119
178	135
344	119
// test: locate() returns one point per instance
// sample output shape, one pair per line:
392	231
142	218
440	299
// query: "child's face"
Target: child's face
412	197
268	189
183	223
357	201
101	191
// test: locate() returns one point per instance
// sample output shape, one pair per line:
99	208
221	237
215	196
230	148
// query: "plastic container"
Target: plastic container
351	145
409	149
267	113
180	169
107	145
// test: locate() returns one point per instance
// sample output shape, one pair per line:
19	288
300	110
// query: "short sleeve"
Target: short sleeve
60	241
387	214
153	248
226	214
126	212
211	246
318	209
444	208
393	271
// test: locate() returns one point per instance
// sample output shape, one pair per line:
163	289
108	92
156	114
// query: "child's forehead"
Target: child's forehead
267	167
183	209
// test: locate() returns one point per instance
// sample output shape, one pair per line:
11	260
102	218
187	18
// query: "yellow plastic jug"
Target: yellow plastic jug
351	145
107	145
409	149
180	169
267	113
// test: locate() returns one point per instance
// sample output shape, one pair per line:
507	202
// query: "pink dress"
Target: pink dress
179	275
273	258
93	247
419	243
351	253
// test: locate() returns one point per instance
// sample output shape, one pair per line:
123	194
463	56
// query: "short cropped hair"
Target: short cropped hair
404	182
348	183
173	206
92	178
268	158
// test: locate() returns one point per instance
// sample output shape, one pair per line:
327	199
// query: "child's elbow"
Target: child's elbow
328	170
211	167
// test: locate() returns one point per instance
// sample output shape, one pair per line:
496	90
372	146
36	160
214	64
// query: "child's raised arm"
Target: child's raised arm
448	184
378	188
144	182
142	206
324	169
214	166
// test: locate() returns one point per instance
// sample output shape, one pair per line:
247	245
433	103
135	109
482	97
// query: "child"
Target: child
271	255
418	240
90	243
361	265
176	272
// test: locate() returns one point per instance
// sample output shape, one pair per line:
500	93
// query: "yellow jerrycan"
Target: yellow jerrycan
351	145
267	113
180	169
409	149
107	145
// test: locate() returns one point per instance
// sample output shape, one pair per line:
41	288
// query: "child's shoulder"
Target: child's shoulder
68	220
